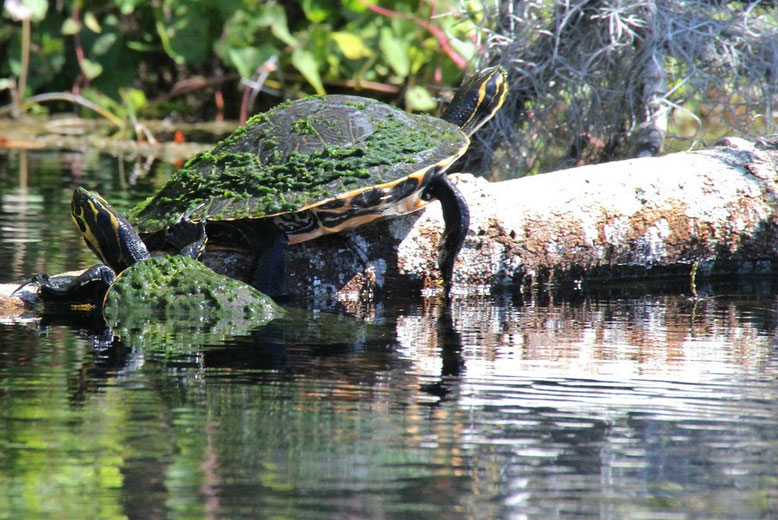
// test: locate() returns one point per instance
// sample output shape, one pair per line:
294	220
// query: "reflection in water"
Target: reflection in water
36	232
15	206
618	407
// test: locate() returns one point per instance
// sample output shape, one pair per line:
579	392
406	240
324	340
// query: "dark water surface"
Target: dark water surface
628	403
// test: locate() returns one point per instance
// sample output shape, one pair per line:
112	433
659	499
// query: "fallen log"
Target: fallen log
638	218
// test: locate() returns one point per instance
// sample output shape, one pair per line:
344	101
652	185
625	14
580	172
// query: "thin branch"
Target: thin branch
78	100
190	85
439	35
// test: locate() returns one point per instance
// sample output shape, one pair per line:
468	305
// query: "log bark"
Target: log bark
639	218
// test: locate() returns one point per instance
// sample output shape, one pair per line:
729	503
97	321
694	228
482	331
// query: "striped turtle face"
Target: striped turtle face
106	231
478	99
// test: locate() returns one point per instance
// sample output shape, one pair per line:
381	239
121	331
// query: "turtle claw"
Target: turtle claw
445	287
187	237
38	279
22	286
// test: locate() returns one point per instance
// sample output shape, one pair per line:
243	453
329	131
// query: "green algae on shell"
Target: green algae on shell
180	289
300	154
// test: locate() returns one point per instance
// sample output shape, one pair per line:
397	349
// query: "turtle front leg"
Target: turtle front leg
88	288
187	237
456	217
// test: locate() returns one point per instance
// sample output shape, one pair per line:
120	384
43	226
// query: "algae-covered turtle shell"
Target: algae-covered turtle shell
179	293
336	161
182	287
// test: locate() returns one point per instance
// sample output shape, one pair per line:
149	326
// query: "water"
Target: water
630	402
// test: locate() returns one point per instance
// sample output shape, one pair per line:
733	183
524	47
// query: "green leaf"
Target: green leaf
351	45
475	10
319	42
248	59
134	99
275	18
128	6
418	98
395	52
164	37
91	22
304	61
70	27
464	48
141	46
419	56
103	43
91	69
185	36
38	8
354	5
318	10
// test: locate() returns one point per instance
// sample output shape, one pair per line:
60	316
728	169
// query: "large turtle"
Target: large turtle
131	281
321	165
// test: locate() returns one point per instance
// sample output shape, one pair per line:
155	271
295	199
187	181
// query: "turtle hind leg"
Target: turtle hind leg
269	271
456	217
88	288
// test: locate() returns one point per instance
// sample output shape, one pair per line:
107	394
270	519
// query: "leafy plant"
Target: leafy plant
127	57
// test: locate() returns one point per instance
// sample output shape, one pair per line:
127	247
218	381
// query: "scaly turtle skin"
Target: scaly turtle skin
174	287
321	165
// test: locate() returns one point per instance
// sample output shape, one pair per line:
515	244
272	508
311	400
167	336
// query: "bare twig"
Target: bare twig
253	86
79	100
25	64
191	85
439	35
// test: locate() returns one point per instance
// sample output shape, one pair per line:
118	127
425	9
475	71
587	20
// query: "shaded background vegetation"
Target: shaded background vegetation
598	80
592	80
145	55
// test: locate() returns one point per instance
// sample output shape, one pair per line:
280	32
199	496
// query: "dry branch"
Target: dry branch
596	80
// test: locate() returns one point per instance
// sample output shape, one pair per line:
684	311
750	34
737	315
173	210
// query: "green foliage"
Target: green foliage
102	48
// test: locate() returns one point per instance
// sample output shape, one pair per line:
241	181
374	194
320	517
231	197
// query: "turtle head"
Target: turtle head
107	233
478	99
